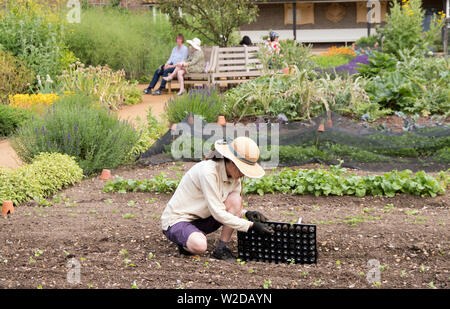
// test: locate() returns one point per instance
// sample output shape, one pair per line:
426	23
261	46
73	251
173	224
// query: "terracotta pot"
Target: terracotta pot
321	128
106	174
329	123
7	207
221	121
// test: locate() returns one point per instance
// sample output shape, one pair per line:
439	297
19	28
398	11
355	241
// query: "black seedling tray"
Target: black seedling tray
290	243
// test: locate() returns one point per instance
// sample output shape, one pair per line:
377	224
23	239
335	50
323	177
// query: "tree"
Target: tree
216	20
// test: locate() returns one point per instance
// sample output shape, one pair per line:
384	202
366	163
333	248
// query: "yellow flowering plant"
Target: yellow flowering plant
403	29
35	102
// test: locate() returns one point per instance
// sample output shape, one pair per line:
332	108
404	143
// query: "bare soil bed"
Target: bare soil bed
112	236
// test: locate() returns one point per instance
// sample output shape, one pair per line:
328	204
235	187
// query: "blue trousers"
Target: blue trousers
158	73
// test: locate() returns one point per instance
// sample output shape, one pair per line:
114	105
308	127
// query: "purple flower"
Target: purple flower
76	129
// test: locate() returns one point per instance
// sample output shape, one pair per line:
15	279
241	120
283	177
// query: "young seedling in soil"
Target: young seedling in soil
267	284
43	202
151	201
240	262
251	271
424	268
411	212
123	252
134	285
131	203
206	264
376	284
403	273
90	285
150	256
31	261
127	263
39	287
318	282
128	216
108	201
115	211
387	208
58	198
155	216
158	264
92	211
431	285
38	253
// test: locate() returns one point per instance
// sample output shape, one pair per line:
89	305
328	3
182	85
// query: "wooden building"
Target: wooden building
322	21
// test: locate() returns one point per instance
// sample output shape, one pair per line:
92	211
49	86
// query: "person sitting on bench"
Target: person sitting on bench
195	63
179	54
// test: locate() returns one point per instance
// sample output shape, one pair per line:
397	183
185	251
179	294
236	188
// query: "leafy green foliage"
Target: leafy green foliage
159	184
214	20
48	173
292	53
93	135
34	33
327	61
11	118
411	83
403	28
298	96
204	102
15	76
132	41
336	181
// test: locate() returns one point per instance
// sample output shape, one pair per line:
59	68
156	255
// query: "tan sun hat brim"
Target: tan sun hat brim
249	170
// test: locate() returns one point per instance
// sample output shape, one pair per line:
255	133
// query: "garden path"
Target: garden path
9	158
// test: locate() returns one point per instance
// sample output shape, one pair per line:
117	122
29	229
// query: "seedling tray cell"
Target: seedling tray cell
290	243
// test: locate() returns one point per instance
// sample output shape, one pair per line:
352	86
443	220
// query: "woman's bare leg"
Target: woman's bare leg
180	76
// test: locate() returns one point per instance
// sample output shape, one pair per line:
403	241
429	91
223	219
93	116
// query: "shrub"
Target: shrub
33	32
15	77
204	102
298	96
77	127
48	173
108	87
126	40
291	53
11	118
403	29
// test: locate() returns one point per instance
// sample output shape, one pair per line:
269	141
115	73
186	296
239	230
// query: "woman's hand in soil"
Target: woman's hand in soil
255	216
262	228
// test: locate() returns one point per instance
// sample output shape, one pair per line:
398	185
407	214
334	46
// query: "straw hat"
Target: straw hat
244	153
195	42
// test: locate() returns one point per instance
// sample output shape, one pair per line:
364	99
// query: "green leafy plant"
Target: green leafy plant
11	118
121	40
15	76
107	87
159	183
93	135
204	102
47	174
34	32
216	21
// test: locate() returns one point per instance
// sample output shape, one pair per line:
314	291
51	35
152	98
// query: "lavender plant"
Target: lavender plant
93	135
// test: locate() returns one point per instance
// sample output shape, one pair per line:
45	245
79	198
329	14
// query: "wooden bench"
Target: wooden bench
236	65
201	78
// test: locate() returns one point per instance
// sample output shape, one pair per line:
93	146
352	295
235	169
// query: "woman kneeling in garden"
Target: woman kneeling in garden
195	63
209	196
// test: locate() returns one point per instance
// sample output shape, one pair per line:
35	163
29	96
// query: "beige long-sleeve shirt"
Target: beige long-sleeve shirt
201	193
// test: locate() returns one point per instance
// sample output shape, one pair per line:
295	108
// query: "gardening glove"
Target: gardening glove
255	216
262	228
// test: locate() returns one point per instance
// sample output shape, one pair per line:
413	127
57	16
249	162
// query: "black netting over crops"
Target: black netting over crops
323	139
